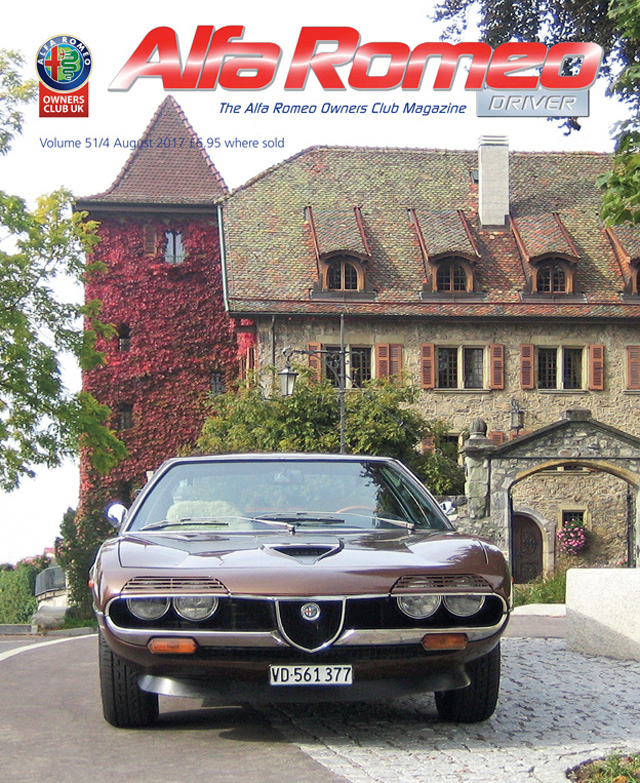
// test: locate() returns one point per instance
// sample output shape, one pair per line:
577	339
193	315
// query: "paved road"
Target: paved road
557	709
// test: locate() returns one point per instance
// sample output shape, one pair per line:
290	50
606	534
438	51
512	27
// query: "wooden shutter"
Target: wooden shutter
633	367
497	437
148	240
382	361
496	366
395	359
527	364
596	367
388	360
428	365
315	361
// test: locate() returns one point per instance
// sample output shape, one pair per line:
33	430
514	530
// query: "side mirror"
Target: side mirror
116	514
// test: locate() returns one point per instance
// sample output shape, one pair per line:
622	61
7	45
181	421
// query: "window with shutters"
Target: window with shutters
562	368
325	363
462	367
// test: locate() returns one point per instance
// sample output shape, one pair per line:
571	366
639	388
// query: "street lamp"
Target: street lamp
289	376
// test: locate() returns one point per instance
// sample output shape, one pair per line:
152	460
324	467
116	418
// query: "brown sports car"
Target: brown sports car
273	577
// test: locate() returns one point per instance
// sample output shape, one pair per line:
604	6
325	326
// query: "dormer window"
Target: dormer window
343	273
553	276
551	279
451	277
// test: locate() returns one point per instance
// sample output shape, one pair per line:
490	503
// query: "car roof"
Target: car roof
276	456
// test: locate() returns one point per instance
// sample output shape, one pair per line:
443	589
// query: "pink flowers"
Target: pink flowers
572	538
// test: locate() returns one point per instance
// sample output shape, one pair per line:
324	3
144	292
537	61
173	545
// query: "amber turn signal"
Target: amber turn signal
176	646
445	641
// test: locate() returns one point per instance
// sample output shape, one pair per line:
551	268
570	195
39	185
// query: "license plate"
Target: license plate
310	675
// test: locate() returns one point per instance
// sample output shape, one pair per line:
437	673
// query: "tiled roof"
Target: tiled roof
166	167
544	235
272	265
445	233
628	241
337	229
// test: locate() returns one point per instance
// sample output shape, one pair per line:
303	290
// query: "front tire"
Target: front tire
476	702
124	704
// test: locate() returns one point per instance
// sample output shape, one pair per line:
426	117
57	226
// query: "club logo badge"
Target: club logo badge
310	612
63	65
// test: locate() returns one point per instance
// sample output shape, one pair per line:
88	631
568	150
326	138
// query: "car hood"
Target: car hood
307	563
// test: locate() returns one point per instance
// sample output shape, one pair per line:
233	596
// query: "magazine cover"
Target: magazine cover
403	243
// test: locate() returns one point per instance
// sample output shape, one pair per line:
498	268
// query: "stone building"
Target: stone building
485	277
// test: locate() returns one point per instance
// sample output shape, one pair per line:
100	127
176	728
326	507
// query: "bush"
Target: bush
544	590
17	601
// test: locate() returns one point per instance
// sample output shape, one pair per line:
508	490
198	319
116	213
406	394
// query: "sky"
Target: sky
30	516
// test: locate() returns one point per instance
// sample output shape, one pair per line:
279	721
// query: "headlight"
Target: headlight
464	605
195	607
419	606
147	608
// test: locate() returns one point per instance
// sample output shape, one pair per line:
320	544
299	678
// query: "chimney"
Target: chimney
493	181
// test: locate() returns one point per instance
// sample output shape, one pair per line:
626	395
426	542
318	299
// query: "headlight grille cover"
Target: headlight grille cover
174	584
449	583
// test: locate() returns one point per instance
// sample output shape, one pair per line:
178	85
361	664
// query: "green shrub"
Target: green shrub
544	590
17	601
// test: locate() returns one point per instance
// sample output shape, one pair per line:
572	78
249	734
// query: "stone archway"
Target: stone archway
577	441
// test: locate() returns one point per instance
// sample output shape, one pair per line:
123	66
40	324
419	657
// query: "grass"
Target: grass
613	769
76	622
544	590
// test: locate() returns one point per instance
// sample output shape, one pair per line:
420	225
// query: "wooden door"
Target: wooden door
527	549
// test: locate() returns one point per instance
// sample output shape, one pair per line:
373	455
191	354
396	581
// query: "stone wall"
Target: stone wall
614	405
602	497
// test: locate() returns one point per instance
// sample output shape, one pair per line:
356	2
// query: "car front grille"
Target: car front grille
259	615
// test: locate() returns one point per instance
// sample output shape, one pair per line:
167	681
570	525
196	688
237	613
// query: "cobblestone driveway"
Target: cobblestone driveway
556	709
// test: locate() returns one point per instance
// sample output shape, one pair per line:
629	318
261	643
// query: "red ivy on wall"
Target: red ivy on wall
173	333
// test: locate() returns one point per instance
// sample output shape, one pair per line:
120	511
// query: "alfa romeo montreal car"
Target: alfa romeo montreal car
247	578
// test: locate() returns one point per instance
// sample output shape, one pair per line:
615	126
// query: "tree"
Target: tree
379	421
40	420
615	25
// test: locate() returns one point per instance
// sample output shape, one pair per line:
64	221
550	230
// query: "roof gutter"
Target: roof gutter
223	258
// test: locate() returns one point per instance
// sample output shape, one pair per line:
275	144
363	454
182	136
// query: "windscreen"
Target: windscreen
243	495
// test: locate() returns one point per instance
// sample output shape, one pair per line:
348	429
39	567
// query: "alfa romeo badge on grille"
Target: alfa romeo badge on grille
310	612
